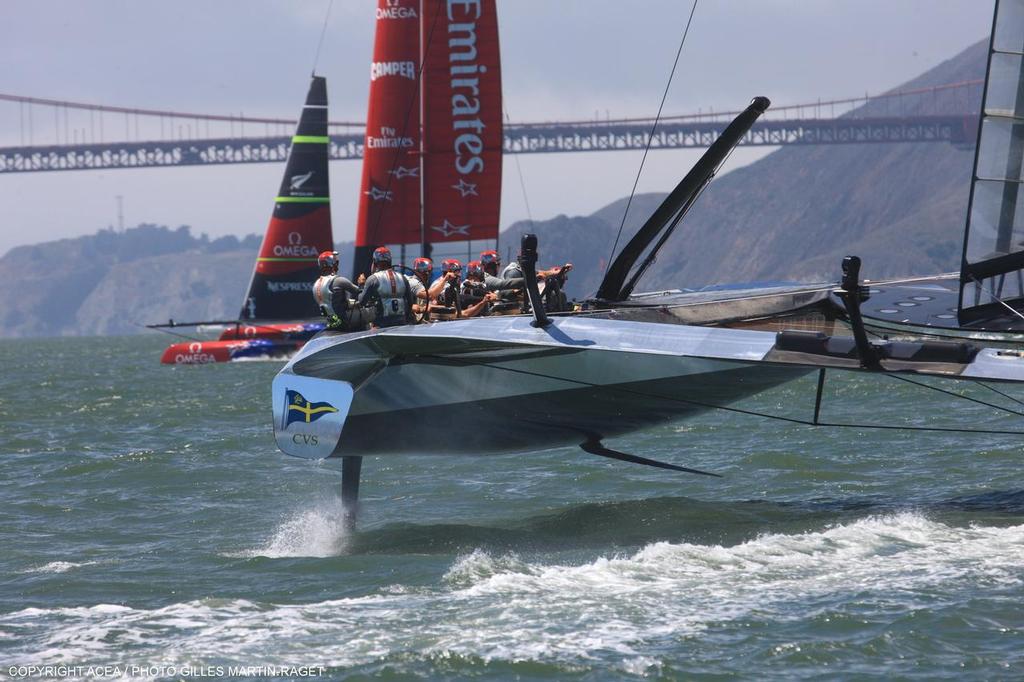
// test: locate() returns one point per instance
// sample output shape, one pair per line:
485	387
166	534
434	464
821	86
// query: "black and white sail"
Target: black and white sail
992	271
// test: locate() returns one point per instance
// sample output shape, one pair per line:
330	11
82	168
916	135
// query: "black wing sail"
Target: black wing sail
300	226
992	270
663	221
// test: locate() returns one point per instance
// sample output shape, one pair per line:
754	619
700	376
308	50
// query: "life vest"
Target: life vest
512	296
391	290
512	271
325	297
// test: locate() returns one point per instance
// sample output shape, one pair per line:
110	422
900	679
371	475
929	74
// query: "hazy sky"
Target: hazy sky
564	59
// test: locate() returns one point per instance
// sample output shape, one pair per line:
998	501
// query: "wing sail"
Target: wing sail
300	226
389	199
992	271
462	121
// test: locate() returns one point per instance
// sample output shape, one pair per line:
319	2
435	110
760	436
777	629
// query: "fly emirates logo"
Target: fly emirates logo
465	75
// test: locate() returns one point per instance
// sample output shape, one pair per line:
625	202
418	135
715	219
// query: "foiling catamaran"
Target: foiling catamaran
629	361
278	312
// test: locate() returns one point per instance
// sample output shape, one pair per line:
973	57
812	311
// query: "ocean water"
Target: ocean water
147	519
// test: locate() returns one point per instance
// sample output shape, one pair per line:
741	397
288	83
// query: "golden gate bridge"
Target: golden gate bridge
59	135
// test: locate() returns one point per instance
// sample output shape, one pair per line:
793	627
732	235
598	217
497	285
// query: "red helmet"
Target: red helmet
451	265
475	270
491	261
328	262
423	266
382	256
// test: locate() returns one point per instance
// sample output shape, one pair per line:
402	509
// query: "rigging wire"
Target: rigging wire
650	138
323	32
519	171
1005	395
998	300
956	395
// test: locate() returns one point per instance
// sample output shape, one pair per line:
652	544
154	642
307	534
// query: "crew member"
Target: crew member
388	292
510	290
445	303
514	270
473	294
551	282
422	289
332	292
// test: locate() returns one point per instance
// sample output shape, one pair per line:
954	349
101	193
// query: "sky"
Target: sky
570	59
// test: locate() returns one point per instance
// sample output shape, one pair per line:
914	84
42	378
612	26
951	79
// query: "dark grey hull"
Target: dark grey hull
570	416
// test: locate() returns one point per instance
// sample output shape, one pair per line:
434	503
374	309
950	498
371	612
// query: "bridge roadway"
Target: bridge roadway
533	138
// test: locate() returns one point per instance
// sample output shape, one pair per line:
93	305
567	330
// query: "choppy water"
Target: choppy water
147	519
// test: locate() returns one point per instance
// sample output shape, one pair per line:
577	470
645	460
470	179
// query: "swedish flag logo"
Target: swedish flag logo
298	409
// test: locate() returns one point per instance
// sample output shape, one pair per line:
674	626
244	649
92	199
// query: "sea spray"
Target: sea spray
314	531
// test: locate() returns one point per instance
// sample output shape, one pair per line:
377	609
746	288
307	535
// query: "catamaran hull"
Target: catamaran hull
538	417
501	385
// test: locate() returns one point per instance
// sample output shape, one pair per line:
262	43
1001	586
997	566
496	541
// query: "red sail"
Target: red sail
462	120
389	203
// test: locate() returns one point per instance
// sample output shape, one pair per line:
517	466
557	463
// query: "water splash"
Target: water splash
319	531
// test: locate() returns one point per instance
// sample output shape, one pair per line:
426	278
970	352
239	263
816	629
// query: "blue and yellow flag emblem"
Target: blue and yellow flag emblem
298	409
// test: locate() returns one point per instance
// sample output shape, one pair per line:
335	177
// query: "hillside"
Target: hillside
792	215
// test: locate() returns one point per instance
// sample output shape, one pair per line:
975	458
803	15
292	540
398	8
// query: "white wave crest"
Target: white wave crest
506	608
59	566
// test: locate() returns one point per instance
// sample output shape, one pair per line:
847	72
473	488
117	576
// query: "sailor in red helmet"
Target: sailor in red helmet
422	289
509	288
445	303
387	292
474	295
552	282
332	293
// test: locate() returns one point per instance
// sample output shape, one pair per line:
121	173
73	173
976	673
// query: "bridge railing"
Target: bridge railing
153	138
35	121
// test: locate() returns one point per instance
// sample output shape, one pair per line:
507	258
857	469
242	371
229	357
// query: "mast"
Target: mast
425	249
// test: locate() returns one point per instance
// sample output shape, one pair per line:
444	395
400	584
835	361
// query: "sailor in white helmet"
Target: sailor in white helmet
388	292
335	296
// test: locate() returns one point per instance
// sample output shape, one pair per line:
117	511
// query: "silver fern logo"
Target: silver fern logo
297	181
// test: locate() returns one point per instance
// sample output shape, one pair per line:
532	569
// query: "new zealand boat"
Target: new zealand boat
278	313
627	361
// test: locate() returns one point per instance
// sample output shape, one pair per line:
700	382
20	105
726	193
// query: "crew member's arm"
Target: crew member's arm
555	271
506	284
342	288
479	306
438	286
369	292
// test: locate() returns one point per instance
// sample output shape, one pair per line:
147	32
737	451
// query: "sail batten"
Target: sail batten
993	257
